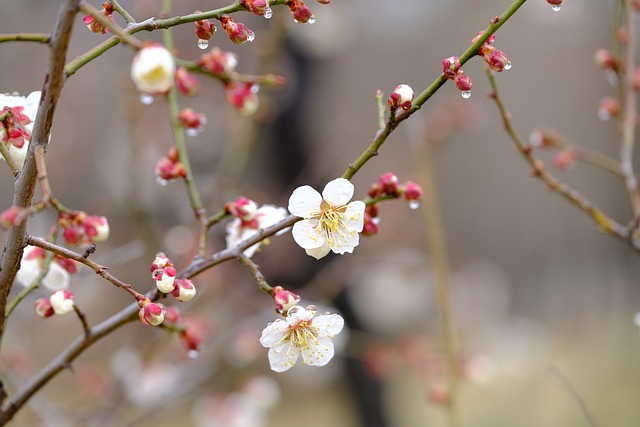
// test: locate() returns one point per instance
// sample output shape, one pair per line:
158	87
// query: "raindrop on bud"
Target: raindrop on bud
466	94
146	99
507	66
193	354
161	181
603	114
414	204
311	20
192	132
293	310
251	36
268	13
556	8
203	44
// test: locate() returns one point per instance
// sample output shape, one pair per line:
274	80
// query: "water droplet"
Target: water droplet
507	66
192	132
251	36
556	8
294	310
312	20
146	99
268	13
193	354
161	181
203	44
466	94
414	204
255	88
312	308
603	114
375	220
296	21
611	77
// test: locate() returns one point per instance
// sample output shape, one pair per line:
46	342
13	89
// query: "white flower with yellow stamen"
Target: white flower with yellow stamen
330	221
301	333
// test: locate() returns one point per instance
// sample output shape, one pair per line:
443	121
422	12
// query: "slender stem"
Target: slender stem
604	222
83	319
31	286
26	37
381	110
4	151
112	26
436	242
119	9
211	221
630	113
257	274
564	382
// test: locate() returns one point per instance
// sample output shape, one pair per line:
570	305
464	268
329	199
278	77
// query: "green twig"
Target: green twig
112	26
119	9
26	37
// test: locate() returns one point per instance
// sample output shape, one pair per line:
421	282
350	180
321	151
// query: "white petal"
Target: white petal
318	354
18	154
320	252
56	278
273	333
29	271
348	245
237	234
31	104
338	192
304	201
354	215
307	236
283	361
329	324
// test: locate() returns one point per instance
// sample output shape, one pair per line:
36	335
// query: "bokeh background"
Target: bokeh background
544	302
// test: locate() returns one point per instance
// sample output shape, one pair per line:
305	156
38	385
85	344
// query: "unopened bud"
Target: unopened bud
186	83
13	216
184	290
238	32
450	67
284	299
389	183
62	301
44	308
412	191
401	97
151	313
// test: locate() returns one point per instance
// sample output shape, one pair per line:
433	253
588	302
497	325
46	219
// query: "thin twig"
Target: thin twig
257	274
573	393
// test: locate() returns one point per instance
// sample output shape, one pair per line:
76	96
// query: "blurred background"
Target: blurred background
544	303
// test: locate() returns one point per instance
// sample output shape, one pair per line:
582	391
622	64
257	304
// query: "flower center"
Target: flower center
300	333
330	220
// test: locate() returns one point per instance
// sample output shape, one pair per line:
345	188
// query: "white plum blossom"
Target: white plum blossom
330	222
31	267
153	70
239	230
301	333
30	104
62	301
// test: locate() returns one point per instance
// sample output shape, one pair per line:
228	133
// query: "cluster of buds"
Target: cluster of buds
218	62
243	97
153	70
301	12
451	68
259	7
401	97
94	25
80	228
388	187
164	273
13	129
495	58
169	167
238	32
186	83
192	122
60	302
284	299
204	31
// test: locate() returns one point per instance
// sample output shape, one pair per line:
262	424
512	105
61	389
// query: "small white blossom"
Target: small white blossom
31	267
153	70
301	333
62	301
330	222
30	104
238	230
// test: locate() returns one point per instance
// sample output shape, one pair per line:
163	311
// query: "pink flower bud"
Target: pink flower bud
184	290
218	62
172	315
12	217
412	191
450	67
554	2
243	97
96	228
324	1
243	208
375	190
238	32
284	299
389	183
170	167
609	108
165	279
490	40
193	334
160	261
151	313
370	227
95	26
401	97
192	121
186	83
463	82
544	138
62	301
259	7
204	28
605	60
68	264
565	159
497	60
44	308
300	12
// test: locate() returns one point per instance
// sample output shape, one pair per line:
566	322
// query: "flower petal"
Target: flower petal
307	236
320	252
274	333
328	324
304	201
283	361
354	215
318	354
338	192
